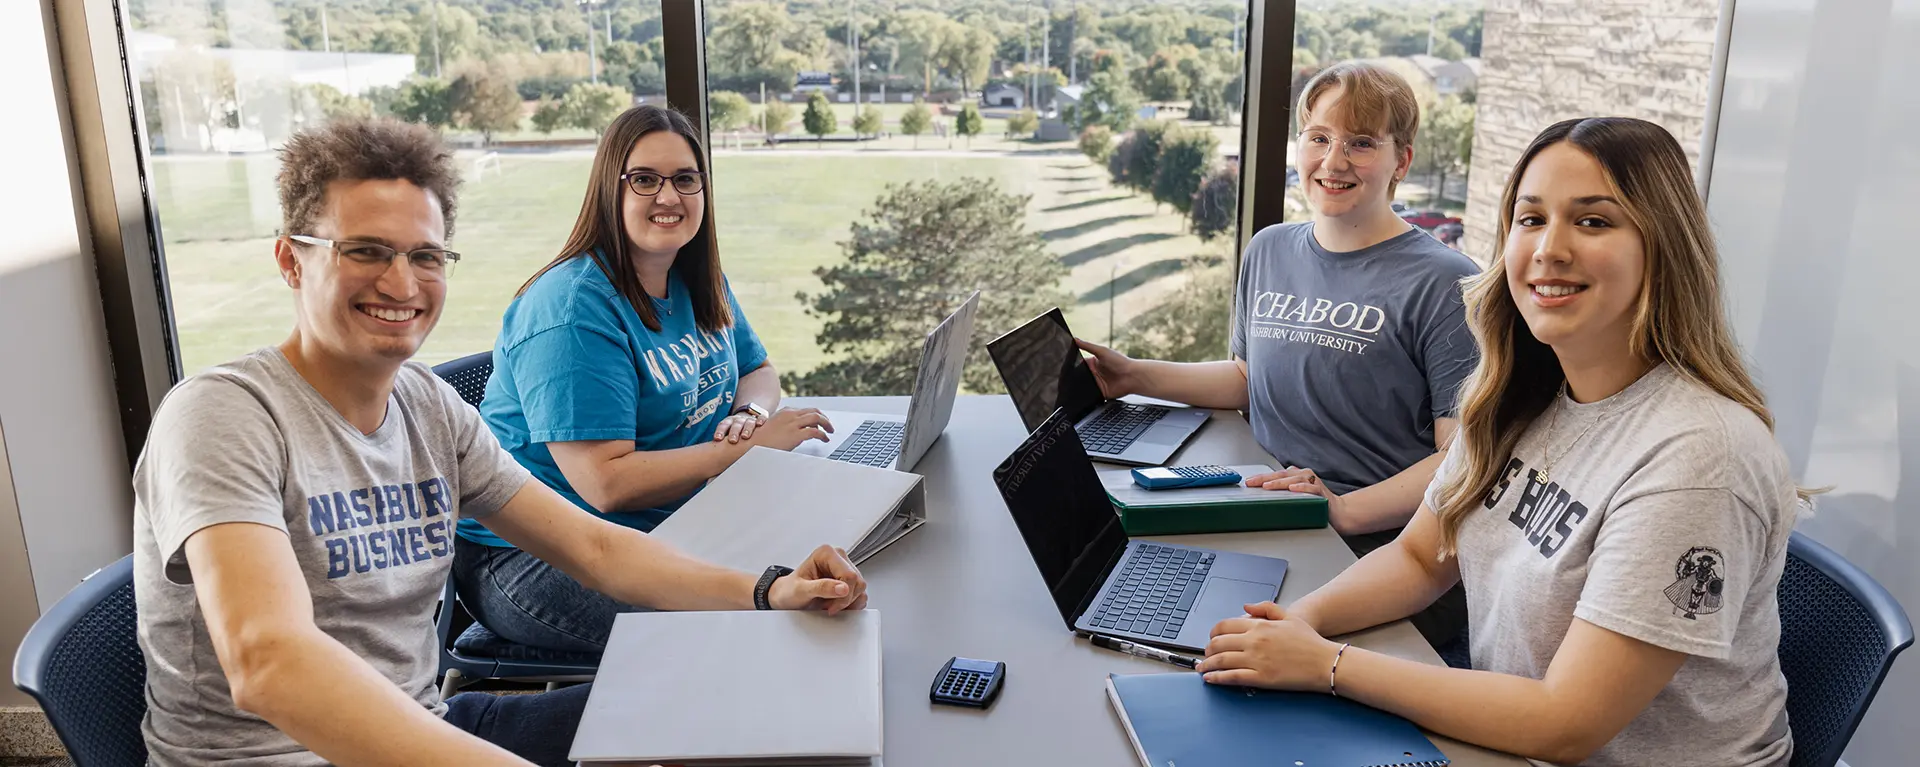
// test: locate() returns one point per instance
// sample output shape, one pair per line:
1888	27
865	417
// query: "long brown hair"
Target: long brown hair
600	232
1679	319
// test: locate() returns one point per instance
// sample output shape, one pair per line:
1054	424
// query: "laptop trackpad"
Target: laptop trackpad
1227	598
1163	434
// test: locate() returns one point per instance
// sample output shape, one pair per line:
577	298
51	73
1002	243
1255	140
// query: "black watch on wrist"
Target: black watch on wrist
767	578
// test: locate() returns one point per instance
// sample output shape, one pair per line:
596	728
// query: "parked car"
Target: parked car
1449	233
1428	219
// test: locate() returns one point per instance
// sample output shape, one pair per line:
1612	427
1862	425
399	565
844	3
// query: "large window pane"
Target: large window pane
1489	79
521	88
874	162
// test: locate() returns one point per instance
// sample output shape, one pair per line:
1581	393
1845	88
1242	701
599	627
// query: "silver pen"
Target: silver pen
1143	651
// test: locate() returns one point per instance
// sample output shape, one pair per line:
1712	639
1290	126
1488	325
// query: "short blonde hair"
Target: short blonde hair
1373	100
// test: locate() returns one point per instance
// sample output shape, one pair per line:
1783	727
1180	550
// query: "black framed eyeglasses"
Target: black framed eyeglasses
427	263
647	183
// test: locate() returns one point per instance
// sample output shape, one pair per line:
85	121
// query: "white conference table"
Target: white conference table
964	585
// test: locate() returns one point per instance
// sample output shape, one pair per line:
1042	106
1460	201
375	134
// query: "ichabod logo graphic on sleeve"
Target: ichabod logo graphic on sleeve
375	528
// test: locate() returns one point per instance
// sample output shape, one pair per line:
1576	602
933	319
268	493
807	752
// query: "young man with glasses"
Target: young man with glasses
294	508
1349	336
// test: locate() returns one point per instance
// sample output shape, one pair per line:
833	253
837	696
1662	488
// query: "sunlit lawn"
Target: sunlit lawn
781	213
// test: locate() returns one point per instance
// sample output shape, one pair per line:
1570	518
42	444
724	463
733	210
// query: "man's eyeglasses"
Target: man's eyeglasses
428	263
647	183
1361	150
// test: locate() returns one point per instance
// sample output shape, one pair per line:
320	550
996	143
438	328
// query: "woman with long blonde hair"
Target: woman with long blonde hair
1614	501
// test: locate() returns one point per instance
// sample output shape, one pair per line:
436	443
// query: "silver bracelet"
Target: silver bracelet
1333	689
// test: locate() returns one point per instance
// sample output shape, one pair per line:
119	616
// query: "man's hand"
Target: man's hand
1267	649
826	581
1114	371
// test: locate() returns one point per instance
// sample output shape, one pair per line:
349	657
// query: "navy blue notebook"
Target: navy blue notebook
1178	720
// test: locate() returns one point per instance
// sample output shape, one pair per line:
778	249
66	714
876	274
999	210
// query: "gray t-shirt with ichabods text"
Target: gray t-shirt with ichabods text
370	518
1661	513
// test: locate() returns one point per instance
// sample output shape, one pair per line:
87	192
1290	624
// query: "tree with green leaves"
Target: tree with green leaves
425	100
1216	205
1144	161
750	46
549	116
331	103
916	120
914	256
728	111
1108	100
1164	78
632	66
1446	141
1192	324
923	36
1096	142
868	122
968	54
819	118
1024	123
970	122
1120	160
1186	157
439	43
485	102
775	116
593	106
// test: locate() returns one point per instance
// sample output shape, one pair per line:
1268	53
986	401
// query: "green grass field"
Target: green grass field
781	213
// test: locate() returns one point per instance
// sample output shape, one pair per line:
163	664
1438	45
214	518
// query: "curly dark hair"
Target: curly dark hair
356	149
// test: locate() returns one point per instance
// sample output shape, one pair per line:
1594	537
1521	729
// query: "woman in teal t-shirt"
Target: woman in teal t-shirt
625	377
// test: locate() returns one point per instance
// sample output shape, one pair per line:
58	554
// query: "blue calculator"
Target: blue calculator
1170	477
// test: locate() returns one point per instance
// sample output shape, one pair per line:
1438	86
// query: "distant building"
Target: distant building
1449	78
1004	95
200	99
1457	77
1067	96
350	73
1054	129
808	82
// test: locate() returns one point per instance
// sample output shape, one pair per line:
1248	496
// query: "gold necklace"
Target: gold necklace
1553	423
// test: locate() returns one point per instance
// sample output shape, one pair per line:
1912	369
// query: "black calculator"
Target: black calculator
968	682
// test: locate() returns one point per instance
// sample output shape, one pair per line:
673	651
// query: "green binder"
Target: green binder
1218	509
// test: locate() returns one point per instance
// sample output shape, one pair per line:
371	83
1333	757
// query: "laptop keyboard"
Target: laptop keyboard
1115	428
875	443
1153	591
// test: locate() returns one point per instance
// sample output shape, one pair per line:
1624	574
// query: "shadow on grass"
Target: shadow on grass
1075	230
1071	178
1110	247
1084	204
1138	276
1084	191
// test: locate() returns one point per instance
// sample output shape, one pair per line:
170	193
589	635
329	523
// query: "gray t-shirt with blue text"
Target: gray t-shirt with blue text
1350	356
370	518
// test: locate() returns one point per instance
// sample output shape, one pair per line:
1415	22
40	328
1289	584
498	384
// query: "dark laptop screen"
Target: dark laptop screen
1045	371
1062	511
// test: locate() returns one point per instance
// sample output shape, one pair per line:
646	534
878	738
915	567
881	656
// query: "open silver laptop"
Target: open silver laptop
892	442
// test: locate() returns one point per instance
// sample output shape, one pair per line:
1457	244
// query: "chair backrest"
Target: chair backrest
1839	633
468	375
82	662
